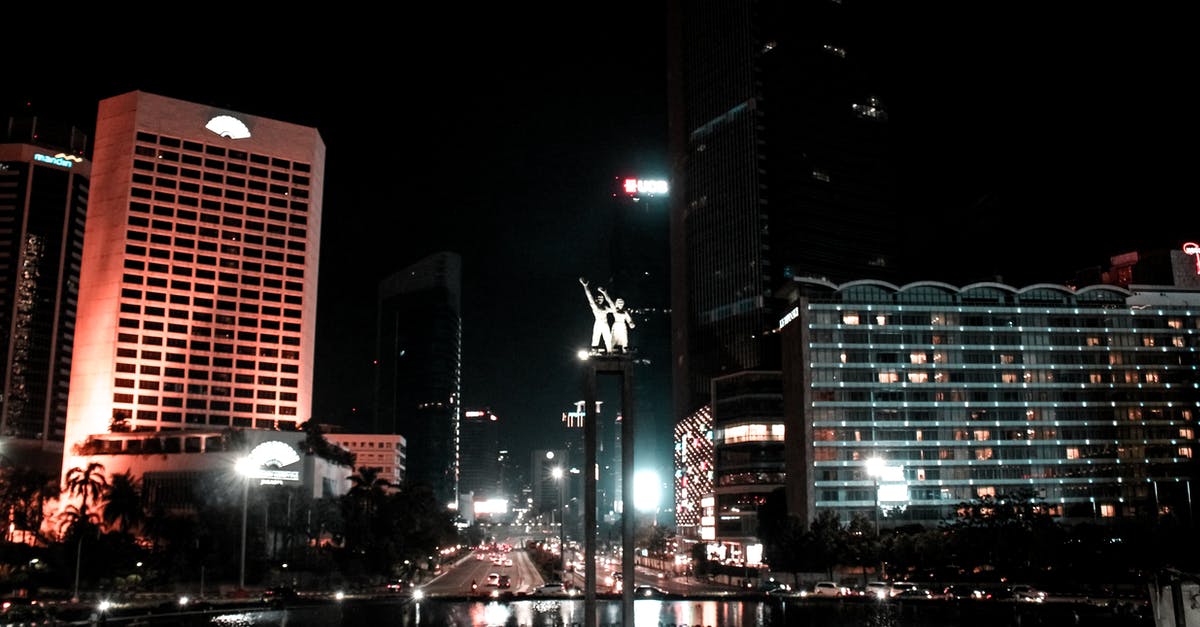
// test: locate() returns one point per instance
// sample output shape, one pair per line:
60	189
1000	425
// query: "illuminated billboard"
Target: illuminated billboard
645	187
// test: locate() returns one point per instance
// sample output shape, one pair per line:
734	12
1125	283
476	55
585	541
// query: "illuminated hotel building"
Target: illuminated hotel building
1088	397
197	298
43	207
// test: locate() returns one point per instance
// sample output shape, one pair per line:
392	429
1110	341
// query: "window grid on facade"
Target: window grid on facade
215	247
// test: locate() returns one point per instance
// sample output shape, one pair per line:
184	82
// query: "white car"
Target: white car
829	589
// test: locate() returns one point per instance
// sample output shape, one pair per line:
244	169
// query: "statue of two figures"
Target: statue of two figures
606	336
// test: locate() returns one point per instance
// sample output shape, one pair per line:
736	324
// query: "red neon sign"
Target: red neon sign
1193	249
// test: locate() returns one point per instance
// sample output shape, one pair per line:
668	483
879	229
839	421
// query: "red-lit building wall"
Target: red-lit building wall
197	299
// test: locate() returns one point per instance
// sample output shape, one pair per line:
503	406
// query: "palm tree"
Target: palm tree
89	484
124	509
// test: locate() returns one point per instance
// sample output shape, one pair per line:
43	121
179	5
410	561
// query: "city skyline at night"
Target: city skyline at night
506	156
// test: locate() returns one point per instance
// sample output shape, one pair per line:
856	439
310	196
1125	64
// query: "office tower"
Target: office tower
419	370
197	297
778	142
43	208
479	442
905	402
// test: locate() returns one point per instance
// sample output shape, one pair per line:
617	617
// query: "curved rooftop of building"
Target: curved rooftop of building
983	293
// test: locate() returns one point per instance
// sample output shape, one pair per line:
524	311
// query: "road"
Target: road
456	580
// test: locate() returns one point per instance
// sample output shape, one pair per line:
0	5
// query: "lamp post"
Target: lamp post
875	469
557	473
244	468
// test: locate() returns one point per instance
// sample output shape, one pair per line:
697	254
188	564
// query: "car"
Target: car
1025	592
652	592
279	595
878	589
900	587
493	580
774	586
915	593
959	591
830	589
396	585
504	582
550	587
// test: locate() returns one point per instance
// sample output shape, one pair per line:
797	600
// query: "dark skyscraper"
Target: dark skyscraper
479	442
778	141
419	367
43	205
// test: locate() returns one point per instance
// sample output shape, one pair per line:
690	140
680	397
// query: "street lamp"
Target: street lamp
557	473
875	470
245	467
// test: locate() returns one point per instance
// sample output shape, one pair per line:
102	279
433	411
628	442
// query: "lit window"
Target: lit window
1177	341
1072	452
850	317
1009	377
1095	377
939	358
880	319
1186	433
1175	323
918	357
983	453
843	357
1151	377
1093	341
940	377
1185	451
1108	511
1148	340
1006	359
889	377
918	377
982	434
983	491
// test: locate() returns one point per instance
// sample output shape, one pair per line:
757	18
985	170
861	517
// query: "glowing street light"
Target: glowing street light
557	473
646	491
245	467
875	467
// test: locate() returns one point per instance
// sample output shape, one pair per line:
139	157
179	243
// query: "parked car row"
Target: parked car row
911	590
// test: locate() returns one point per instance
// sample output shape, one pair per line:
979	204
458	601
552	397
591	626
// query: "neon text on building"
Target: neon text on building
1193	249
58	160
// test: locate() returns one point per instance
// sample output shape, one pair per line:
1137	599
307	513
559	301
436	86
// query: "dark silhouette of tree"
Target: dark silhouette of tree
123	510
315	443
824	542
24	493
87	484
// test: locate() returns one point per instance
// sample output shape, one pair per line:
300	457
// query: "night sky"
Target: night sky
1031	142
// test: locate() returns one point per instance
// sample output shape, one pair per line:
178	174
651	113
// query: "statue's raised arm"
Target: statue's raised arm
600	328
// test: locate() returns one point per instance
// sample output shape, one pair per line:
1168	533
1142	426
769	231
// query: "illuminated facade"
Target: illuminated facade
748	453
694	476
383	453
419	368
779	138
1088	397
43	207
197	298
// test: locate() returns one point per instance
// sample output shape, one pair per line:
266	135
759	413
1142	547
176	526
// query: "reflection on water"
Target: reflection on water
658	613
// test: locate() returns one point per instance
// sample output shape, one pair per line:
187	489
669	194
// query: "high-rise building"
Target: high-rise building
778	142
197	298
904	402
479	442
694	500
419	368
43	207
548	472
